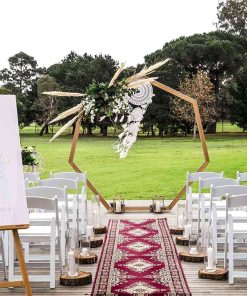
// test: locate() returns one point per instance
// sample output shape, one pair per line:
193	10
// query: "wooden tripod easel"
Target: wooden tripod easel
195	107
18	247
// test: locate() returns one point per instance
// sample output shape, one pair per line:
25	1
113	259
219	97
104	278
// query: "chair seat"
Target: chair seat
35	230
240	228
196	195
34	216
220	204
235	214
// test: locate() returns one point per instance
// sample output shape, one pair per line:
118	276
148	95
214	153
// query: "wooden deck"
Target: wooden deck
197	286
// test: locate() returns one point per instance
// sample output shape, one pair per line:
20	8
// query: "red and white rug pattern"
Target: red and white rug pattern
139	257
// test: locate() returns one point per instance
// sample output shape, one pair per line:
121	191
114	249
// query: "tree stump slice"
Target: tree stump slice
176	231
89	259
195	258
83	278
100	230
220	274
94	243
182	241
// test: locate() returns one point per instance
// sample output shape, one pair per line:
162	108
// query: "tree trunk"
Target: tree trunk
152	130
211	128
194	131
44	129
161	131
103	130
89	129
73	129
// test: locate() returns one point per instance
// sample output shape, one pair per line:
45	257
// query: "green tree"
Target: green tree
200	88
219	54
74	73
237	89
232	16
5	91
21	78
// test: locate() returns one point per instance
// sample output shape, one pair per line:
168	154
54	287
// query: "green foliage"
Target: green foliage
21	78
238	91
75	73
5	91
28	156
218	54
232	16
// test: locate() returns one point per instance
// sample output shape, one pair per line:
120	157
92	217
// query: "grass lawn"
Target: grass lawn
153	166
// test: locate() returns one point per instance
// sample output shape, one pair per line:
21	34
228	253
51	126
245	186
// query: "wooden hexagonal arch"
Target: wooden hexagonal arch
182	191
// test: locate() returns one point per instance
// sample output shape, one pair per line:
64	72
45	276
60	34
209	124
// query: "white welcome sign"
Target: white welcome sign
13	205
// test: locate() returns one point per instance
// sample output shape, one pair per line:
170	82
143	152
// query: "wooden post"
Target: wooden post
25	280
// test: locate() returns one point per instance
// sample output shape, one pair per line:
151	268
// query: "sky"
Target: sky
127	30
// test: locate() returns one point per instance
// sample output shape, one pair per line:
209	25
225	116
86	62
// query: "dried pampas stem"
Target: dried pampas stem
137	83
146	71
62	94
115	76
67	113
67	125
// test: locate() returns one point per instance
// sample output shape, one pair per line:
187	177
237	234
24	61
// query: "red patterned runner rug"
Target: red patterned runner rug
139	257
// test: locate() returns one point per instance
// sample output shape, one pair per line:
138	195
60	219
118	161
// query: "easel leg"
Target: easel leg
22	264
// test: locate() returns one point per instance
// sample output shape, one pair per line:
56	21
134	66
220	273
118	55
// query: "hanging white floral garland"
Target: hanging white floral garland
141	101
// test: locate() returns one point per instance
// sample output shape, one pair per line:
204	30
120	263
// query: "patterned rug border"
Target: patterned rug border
107	237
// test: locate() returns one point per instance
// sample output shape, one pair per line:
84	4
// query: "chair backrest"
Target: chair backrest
207	183
228	189
43	203
32	177
60	183
242	176
81	177
193	177
48	192
236	201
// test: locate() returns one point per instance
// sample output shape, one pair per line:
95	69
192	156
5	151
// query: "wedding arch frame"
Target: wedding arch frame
183	190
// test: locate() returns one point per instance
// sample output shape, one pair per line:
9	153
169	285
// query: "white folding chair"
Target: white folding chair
40	235
217	214
68	184
3	256
191	197
32	178
242	177
235	233
204	200
26	182
40	218
80	177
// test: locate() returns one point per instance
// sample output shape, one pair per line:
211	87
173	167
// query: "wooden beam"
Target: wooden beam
77	169
200	131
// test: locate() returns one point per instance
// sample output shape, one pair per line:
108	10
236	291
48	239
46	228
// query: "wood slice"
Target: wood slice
89	259
220	274
100	230
182	241
83	278
94	243
176	231
187	257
